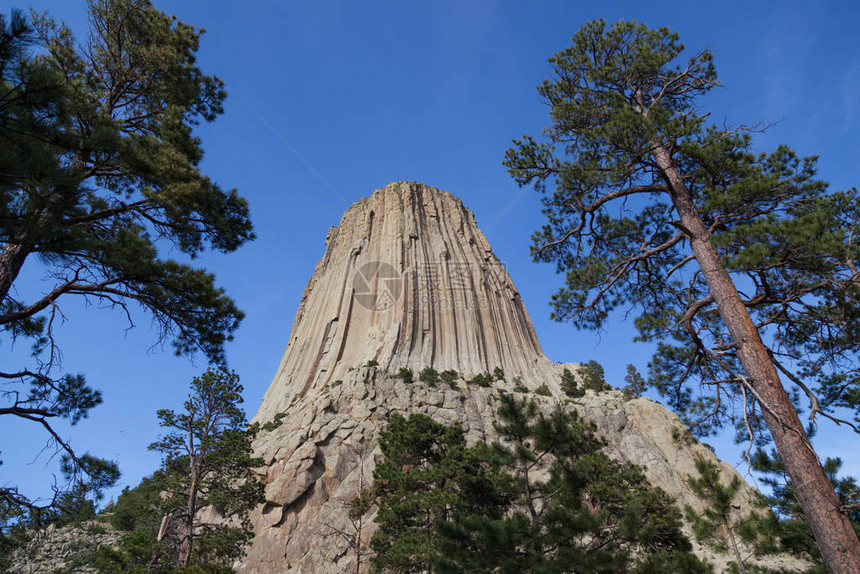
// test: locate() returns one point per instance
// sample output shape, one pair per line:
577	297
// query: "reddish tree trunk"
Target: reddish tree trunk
836	539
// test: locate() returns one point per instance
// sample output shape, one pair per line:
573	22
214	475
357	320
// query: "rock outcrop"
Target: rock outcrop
407	280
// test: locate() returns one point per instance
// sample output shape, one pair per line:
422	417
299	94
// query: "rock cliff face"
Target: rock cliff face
407	280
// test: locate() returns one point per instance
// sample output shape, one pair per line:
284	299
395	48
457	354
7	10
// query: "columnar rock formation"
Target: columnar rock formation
407	280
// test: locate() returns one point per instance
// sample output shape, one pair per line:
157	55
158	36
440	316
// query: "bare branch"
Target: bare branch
814	404
591	208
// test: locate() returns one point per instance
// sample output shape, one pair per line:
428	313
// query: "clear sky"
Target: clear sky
329	101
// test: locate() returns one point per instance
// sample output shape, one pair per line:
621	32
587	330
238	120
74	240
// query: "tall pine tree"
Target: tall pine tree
99	178
651	208
427	474
208	464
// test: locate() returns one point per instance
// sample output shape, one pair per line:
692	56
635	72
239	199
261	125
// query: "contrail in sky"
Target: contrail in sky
303	160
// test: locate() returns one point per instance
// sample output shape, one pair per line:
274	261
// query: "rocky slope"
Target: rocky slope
70	549
407	280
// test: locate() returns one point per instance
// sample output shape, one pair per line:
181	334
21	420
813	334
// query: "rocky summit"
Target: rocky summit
408	281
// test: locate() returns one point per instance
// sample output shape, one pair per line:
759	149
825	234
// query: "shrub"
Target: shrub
482	380
405	374
276	422
450	377
569	386
428	375
543	390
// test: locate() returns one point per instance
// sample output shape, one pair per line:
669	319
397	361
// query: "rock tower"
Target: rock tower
408	280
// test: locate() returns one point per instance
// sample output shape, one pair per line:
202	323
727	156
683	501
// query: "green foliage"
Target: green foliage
220	459
450	377
569	386
73	506
87	477
543	390
405	374
593	377
519	387
208	463
498	374
716	525
99	177
278	420
372	363
590	514
444	507
789	523
482	380
618	95
138	513
636	384
427	473
683	436
13	530
138	507
428	375
661	215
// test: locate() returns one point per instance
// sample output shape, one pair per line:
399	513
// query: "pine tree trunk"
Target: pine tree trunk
358	550
836	539
11	260
734	542
188	537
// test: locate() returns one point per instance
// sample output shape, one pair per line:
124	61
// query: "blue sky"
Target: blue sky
329	101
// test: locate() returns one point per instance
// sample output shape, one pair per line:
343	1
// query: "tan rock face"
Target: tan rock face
407	280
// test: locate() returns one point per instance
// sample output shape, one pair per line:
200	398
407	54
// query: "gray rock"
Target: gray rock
68	549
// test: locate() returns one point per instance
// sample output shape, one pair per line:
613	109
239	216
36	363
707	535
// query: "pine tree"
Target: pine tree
99	177
137	513
80	501
594	377
569	386
636	384
655	210
13	531
717	524
570	507
427	474
789	524
208	463
545	499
